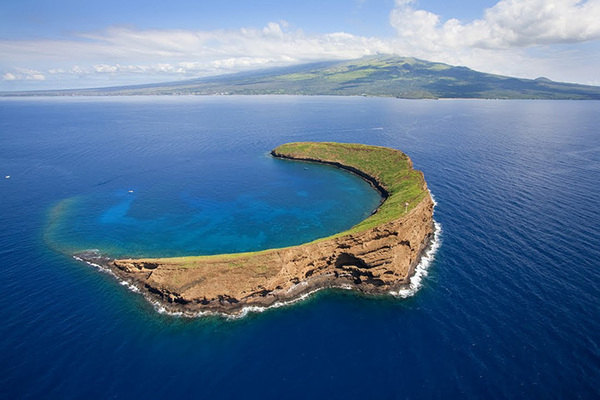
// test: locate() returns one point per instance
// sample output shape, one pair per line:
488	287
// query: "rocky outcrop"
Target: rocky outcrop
376	260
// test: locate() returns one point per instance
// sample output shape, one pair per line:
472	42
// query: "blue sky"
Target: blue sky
68	43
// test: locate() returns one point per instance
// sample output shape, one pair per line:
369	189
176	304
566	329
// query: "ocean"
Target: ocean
509	306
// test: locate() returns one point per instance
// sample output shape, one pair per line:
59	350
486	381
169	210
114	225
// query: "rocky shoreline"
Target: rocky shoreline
378	260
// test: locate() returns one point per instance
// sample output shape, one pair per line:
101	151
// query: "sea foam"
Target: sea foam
421	270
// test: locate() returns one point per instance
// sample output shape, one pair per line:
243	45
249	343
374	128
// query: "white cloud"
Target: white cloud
128	44
508	24
9	77
273	29
23	74
515	37
187	53
106	69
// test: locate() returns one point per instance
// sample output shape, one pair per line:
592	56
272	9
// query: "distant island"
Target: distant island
376	256
383	76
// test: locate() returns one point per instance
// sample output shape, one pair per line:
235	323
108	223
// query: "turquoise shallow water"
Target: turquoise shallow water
509	308
235	204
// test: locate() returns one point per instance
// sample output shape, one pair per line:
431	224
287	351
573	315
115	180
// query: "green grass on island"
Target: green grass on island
391	168
384	76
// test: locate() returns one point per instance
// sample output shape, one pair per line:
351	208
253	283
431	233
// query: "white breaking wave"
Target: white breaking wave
421	271
104	269
244	311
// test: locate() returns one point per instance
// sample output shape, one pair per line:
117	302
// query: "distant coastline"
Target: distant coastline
378	255
378	76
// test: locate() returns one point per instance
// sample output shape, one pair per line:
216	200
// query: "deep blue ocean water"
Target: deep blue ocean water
510	307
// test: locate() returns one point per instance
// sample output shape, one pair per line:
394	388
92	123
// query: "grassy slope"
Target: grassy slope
391	168
408	77
390	76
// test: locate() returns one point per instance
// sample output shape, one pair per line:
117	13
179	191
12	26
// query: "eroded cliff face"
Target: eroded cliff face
378	260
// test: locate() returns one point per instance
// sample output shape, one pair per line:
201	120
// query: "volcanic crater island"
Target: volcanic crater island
377	256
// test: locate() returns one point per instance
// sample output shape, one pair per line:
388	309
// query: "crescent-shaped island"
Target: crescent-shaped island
376	256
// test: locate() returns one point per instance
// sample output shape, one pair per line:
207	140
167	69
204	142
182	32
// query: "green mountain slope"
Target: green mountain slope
401	77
